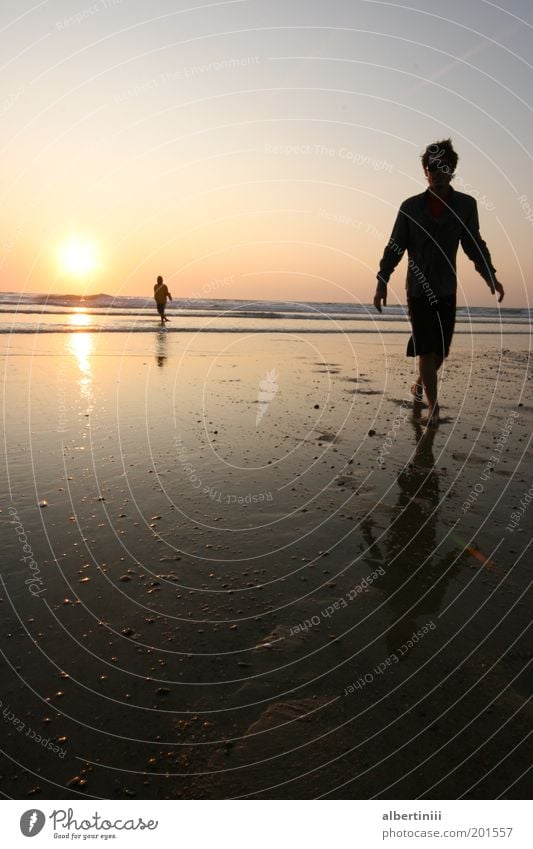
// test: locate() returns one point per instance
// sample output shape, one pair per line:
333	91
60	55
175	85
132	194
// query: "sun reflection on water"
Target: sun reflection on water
80	317
80	345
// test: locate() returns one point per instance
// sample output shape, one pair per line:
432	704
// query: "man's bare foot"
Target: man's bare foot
417	391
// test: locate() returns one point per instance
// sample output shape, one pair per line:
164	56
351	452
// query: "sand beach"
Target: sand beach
240	566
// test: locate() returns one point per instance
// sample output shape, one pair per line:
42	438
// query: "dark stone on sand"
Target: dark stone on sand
162	692
125	578
371	432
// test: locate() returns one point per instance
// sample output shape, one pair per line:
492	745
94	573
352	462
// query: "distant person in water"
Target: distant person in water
161	294
429	227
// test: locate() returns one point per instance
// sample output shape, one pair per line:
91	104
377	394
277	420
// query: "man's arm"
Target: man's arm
391	257
476	250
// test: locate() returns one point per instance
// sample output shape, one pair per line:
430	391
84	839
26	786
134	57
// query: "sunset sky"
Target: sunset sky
263	144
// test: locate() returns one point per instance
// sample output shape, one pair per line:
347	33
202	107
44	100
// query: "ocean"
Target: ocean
38	313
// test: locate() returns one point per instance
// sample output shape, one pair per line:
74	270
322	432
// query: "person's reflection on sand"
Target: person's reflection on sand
417	573
161	348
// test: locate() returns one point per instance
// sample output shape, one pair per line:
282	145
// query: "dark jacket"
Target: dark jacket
432	243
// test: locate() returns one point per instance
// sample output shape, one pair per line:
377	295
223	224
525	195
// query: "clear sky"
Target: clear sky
255	148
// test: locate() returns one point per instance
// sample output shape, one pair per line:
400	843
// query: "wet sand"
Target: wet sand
251	571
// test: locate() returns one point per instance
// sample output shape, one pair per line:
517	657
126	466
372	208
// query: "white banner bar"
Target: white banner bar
267	824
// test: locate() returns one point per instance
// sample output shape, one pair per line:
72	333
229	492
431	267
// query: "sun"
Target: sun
78	256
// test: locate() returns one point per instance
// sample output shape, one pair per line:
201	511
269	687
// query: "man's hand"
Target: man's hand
379	297
496	286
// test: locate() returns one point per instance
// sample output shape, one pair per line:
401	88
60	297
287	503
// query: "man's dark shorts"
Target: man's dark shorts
161	309
432	325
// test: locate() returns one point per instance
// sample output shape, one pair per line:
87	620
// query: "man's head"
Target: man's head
439	162
159	280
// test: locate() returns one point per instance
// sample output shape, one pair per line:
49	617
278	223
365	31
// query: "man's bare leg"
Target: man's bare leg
438	362
417	389
428	374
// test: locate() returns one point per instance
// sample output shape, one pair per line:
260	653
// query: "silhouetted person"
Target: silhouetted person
429	227
161	295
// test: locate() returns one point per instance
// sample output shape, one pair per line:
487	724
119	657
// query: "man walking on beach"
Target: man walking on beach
161	294
430	226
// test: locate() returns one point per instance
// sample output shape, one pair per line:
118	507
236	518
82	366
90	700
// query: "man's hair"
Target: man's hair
159	279
441	151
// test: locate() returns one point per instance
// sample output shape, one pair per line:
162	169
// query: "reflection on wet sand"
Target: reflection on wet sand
161	348
80	345
417	571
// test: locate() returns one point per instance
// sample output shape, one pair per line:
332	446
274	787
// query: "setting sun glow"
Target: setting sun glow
78	257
